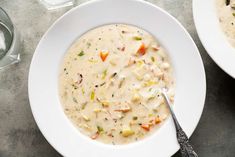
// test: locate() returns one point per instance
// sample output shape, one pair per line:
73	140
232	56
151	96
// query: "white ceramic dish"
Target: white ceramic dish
43	77
211	35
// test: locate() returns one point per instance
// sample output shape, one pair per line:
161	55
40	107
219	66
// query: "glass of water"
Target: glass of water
55	4
9	41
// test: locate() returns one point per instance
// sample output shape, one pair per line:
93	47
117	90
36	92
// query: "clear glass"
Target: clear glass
9	41
55	4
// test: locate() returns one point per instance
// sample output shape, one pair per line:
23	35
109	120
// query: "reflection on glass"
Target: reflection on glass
9	41
55	4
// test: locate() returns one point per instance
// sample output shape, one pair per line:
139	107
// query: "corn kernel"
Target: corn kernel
105	104
85	118
127	132
97	110
136	97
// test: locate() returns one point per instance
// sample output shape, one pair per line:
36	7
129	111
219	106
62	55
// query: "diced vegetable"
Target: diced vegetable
121	82
137	38
127	132
121	116
97	110
136	97
102	84
79	79
152	59
139	77
135	118
113	75
83	91
99	129
152	122
131	123
149	83
81	54
84	105
85	126
156	106
95	136
75	100
110	135
85	118
104	55
165	65
139	72
124	109
140	63
163	116
151	97
145	127
92	95
123	48
105	111
142	49
232	4
104	74
105	104
123	32
159	74
157	120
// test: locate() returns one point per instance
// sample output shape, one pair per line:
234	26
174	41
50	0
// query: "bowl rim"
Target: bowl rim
96	1
207	23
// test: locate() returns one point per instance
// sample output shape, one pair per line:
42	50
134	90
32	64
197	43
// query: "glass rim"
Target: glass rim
6	22
9	26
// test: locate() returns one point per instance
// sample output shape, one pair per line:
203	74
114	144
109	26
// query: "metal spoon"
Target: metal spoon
185	147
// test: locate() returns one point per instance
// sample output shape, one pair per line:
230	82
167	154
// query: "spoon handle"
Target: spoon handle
185	148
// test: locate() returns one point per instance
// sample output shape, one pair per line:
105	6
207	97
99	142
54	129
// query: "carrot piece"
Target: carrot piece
157	120
104	55
145	127
142	49
95	136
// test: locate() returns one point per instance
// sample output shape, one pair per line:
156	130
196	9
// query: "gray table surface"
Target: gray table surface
19	134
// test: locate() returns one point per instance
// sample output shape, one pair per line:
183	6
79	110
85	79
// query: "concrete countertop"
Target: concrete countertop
19	134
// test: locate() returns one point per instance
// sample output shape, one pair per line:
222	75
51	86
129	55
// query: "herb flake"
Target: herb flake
104	74
99	129
137	38
92	95
81	54
153	59
135	118
75	100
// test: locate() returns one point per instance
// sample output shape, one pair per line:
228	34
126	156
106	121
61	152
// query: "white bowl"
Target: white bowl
43	77
211	35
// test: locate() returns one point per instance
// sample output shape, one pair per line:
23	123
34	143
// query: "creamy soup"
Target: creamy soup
226	13
110	84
